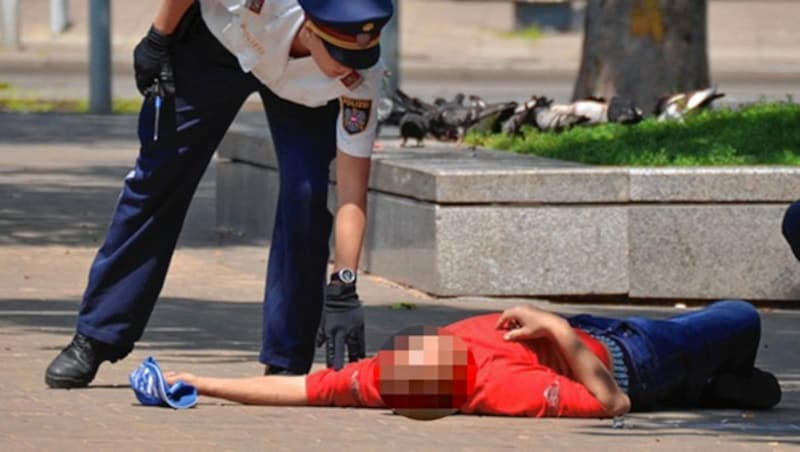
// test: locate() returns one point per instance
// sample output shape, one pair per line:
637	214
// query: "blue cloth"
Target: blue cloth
355	23
147	382
128	271
670	362
791	227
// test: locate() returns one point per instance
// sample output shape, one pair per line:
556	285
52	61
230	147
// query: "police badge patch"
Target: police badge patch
355	114
254	5
352	80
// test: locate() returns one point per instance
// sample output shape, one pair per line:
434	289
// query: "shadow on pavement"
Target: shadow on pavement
779	426
57	214
73	207
83	128
205	328
66	128
62	174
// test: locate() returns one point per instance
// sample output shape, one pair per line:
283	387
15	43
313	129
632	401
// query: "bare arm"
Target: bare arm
266	390
527	322
169	14
352	177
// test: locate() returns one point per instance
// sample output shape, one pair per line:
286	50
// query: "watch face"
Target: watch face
347	276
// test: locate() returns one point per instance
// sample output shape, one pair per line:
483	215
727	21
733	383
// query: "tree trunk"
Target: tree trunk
643	49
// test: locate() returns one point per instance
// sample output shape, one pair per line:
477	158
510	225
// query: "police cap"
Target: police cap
350	29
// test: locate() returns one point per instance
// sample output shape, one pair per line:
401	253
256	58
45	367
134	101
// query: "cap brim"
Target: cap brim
354	59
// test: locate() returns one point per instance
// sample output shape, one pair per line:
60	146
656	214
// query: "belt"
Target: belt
617	359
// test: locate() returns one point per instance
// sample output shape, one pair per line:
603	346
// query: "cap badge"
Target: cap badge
362	39
369	26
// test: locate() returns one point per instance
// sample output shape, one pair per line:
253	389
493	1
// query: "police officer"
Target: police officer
315	65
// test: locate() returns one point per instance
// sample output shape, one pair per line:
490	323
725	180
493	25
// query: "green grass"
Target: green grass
28	101
31	104
530	33
761	134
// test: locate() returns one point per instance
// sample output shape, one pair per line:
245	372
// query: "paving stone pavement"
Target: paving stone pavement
59	176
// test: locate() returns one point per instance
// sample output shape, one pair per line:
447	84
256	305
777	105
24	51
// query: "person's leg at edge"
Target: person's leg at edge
129	269
791	227
305	144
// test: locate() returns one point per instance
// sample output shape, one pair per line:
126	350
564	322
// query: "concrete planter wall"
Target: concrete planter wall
461	222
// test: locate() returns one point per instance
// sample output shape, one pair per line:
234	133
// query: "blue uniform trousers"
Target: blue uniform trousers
670	362
129	270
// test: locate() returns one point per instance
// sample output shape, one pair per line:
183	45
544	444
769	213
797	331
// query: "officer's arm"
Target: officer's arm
527	322
352	177
169	14
266	390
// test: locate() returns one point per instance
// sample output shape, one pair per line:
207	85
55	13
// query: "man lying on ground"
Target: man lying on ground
530	362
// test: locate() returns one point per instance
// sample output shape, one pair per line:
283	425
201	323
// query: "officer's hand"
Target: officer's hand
151	62
342	325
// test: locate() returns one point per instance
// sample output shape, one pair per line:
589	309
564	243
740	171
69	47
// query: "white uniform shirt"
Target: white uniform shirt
260	34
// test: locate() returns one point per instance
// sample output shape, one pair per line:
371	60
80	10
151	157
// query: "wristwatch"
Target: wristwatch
345	275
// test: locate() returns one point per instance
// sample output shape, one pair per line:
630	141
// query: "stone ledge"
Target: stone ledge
480	222
715	184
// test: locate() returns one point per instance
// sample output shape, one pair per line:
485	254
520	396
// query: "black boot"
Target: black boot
276	370
758	390
77	364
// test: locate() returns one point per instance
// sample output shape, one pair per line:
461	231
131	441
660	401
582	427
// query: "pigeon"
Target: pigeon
413	125
623	111
557	120
491	117
525	114
598	111
540	113
455	117
455	102
391	108
476	102
677	106
414	104
385	108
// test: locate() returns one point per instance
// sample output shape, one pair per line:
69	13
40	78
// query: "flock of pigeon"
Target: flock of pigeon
450	120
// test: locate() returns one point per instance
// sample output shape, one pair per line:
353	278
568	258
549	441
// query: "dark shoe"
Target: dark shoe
760	390
77	364
276	370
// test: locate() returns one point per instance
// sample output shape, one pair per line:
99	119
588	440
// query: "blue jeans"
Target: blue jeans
670	362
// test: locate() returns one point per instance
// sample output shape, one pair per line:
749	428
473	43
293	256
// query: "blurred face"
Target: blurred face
319	53
425	376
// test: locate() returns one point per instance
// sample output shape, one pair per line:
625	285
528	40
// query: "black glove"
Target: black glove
151	62
342	325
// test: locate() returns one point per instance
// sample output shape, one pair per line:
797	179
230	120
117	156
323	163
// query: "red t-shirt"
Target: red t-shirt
513	378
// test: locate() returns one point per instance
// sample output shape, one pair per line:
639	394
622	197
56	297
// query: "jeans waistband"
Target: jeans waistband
621	374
